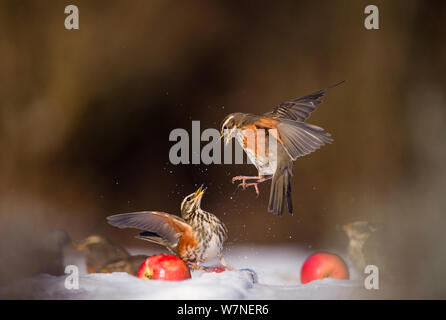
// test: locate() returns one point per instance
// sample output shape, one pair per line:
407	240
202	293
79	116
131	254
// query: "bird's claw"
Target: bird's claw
257	189
195	266
244	185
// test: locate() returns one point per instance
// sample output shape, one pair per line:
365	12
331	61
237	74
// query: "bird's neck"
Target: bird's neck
195	215
356	254
355	244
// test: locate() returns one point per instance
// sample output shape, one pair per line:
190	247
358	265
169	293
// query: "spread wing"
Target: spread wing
164	225
300	139
300	109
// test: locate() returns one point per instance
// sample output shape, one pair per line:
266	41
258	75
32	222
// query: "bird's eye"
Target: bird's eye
189	198
225	127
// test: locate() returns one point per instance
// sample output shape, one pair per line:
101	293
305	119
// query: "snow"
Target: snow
277	269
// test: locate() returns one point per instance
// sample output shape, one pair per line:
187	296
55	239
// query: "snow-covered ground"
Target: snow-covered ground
277	269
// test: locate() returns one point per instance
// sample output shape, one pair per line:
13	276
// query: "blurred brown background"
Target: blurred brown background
85	117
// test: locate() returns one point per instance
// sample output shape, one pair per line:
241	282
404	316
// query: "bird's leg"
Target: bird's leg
255	184
227	266
195	266
244	178
258	179
250	272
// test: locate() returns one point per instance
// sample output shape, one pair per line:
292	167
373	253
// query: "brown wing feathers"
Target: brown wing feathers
166	226
300	139
299	109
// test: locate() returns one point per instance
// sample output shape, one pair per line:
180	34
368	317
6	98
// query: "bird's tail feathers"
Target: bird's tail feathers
280	193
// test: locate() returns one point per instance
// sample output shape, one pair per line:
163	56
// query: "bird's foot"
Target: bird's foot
244	178
227	266
251	273
195	266
255	184
244	185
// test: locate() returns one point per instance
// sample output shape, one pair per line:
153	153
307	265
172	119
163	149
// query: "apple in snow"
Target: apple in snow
165	267
322	265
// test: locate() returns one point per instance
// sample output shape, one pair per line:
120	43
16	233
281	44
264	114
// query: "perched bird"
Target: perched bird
100	252
358	233
285	125
196	237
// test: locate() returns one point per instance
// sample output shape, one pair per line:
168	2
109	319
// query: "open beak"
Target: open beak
227	134
199	193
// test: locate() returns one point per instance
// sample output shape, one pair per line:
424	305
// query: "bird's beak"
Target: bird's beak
227	138
199	193
228	135
222	135
346	227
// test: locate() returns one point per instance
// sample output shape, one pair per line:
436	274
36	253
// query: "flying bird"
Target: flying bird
196	237
285	126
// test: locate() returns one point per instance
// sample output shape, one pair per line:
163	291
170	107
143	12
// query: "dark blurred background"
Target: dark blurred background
85	117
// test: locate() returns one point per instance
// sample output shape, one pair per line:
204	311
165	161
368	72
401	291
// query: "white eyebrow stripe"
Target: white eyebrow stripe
227	120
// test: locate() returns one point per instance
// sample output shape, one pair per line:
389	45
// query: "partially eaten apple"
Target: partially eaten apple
164	267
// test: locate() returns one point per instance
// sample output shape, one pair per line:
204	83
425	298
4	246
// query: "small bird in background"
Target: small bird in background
196	237
360	254
100	252
372	244
295	139
130	265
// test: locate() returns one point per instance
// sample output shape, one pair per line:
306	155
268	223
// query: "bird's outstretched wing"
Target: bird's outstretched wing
299	109
300	139
158	224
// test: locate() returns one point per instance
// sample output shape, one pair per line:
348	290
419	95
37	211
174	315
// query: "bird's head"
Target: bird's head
229	124
192	202
89	243
359	230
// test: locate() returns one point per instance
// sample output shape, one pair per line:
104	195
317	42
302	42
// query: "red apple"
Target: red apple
216	269
322	265
165	267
